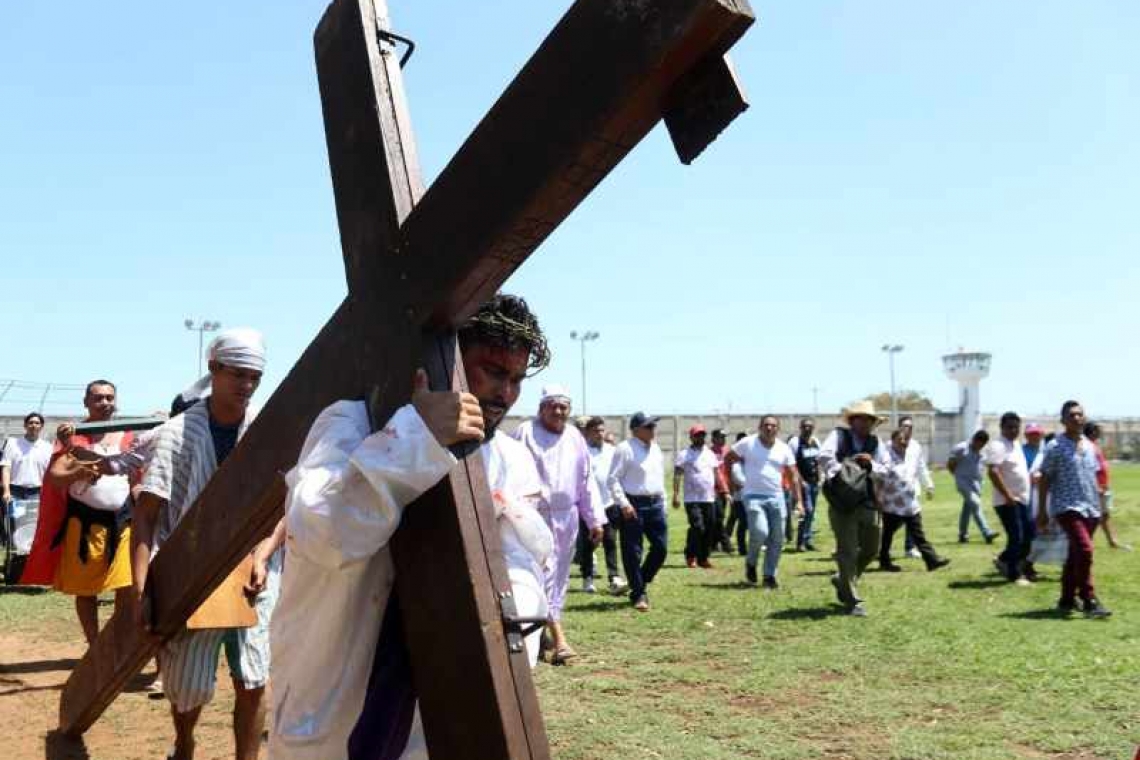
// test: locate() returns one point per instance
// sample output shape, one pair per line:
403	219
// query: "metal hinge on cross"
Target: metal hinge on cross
517	628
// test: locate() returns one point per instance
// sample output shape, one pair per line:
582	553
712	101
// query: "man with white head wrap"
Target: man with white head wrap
188	449
569	491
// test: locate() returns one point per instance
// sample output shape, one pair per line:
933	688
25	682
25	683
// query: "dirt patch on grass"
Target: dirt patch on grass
135	727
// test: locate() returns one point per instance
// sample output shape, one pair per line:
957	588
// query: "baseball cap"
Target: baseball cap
1033	428
641	419
697	430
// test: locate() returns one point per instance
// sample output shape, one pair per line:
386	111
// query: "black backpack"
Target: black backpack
850	488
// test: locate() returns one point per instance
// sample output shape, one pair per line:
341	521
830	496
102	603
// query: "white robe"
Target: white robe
346	496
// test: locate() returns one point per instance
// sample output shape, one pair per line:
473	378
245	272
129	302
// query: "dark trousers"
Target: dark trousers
609	545
738	519
857	539
1020	530
809	496
913	525
649	523
702	534
723	509
1076	577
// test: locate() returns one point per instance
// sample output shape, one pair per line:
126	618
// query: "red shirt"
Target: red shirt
1101	469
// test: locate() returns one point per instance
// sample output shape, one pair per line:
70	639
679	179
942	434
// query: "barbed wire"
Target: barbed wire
18	397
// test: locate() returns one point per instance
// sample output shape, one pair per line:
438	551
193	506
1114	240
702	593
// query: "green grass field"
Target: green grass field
953	665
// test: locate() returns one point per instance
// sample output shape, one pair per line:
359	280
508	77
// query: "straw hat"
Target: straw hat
864	408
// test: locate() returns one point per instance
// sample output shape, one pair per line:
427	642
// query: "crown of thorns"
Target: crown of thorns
491	325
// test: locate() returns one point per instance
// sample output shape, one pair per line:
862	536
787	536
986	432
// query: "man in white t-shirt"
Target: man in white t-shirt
601	455
699	470
637	482
24	461
767	461
1009	474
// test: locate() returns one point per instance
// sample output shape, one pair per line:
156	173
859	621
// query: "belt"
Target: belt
24	492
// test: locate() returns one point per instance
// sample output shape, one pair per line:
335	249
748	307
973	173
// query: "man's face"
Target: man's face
645	433
1075	421
898	442
1033	439
553	414
769	427
100	402
32	428
806	429
1011	430
233	385
494	376
977	444
697	440
596	435
907	428
718	441
860	425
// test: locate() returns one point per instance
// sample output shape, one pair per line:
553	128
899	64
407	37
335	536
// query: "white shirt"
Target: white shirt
763	466
914	449
698	466
346	497
28	461
636	470
600	460
898	490
1009	459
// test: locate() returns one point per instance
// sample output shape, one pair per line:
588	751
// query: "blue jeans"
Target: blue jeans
649	522
1020	530
765	528
808	497
972	507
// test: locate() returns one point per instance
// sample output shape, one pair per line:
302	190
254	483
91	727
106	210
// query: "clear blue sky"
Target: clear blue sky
927	174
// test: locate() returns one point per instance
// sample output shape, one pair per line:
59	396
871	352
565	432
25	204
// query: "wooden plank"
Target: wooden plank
564	123
701	105
227	606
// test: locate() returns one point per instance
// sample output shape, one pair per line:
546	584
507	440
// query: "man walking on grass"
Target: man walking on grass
700	470
601	456
637	482
966	465
1069	496
1009	475
767	461
805	446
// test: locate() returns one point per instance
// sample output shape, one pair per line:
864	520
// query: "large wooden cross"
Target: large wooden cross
419	263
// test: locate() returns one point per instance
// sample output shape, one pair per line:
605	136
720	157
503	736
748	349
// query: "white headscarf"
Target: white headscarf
551	392
241	347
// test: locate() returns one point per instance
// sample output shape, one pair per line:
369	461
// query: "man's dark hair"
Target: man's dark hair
905	419
33	415
594	422
507	322
1010	417
807	421
741	436
772	417
1092	429
1049	437
93	383
981	436
1068	407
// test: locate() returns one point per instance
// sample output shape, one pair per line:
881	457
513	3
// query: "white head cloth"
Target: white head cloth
241	347
551	392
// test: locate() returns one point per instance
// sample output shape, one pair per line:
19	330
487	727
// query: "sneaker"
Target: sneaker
618	585
1023	582
938	563
1001	567
727	547
1066	608
588	586
914	553
690	561
1094	609
992	537
705	564
858	610
963	540
889	567
642	603
770	582
750	574
154	689
809	548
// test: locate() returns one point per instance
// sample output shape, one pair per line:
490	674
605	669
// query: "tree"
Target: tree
908	401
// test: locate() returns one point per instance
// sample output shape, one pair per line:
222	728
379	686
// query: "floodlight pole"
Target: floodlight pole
201	327
890	351
582	339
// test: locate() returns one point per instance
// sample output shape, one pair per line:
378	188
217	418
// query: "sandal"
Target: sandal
562	654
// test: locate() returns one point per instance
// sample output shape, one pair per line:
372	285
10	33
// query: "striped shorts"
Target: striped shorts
189	661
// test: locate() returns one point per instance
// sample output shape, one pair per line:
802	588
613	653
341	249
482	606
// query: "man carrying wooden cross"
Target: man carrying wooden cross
188	449
342	683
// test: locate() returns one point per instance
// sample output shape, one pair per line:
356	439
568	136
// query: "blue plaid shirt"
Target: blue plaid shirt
1071	468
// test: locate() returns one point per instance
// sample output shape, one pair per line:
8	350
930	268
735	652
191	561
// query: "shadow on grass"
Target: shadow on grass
58	746
603	605
729	586
38	666
819	573
978	583
1045	614
23	590
26	689
808	613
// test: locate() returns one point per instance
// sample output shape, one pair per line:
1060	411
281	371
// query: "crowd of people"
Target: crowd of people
327	632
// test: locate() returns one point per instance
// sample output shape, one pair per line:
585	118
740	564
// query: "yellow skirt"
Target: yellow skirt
93	577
